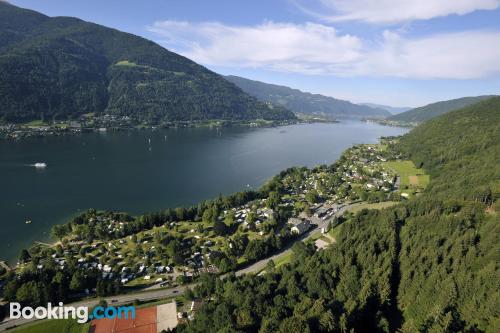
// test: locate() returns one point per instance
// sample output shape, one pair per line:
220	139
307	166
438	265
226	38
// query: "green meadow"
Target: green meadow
409	174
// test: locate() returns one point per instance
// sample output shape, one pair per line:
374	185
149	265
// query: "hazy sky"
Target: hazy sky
395	52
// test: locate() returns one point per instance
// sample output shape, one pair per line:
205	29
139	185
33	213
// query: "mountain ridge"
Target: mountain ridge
304	102
76	67
392	109
429	111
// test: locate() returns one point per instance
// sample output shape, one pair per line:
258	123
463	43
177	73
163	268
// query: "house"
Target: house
322	211
299	226
267	212
75	125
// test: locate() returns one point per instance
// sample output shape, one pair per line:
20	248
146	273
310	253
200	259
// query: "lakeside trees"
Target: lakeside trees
429	264
226	232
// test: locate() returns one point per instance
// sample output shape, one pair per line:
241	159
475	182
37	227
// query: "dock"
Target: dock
6	266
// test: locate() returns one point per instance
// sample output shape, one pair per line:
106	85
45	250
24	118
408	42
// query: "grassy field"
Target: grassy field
179	299
283	259
126	63
409	174
36	123
54	326
140	282
334	232
378	205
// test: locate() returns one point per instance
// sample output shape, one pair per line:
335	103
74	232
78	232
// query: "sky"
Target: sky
393	52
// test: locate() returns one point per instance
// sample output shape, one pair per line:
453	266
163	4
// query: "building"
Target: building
321	211
74	125
298	225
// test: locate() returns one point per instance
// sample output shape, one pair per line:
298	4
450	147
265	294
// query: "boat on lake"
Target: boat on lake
40	165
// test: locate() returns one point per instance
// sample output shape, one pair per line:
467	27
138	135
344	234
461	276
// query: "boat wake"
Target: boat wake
38	165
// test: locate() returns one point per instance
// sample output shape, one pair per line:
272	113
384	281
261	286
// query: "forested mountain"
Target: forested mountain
430	111
62	67
303	102
391	109
430	264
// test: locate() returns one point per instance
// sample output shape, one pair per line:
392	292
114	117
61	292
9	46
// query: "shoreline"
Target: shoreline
47	238
16	132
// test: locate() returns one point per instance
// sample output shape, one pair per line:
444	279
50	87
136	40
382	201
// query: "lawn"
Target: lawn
179	299
140	282
56	326
36	123
284	259
378	205
126	63
334	232
409	174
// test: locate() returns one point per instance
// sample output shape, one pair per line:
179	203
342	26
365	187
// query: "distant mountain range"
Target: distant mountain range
433	110
307	103
62	67
391	109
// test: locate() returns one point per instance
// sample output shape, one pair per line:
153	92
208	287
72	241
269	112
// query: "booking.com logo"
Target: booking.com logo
80	313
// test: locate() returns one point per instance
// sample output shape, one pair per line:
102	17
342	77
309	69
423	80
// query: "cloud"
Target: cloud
312	48
460	55
280	46
393	11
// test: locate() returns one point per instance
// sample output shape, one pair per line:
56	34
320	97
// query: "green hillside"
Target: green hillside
62	67
430	264
302	102
391	109
433	110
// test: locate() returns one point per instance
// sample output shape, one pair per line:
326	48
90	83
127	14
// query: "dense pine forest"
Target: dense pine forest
62	67
433	110
429	264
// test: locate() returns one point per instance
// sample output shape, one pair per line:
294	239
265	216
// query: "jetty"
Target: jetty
6	266
42	243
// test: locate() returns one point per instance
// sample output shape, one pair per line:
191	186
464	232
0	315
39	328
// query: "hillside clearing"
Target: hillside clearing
409	173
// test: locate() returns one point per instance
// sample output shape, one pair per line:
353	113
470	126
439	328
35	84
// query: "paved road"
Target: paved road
315	229
152	294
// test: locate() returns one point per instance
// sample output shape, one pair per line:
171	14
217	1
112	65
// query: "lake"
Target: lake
141	171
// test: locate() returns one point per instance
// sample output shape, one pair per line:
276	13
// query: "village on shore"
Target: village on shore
104	253
88	123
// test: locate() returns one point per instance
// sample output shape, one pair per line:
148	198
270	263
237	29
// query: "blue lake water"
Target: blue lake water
141	171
